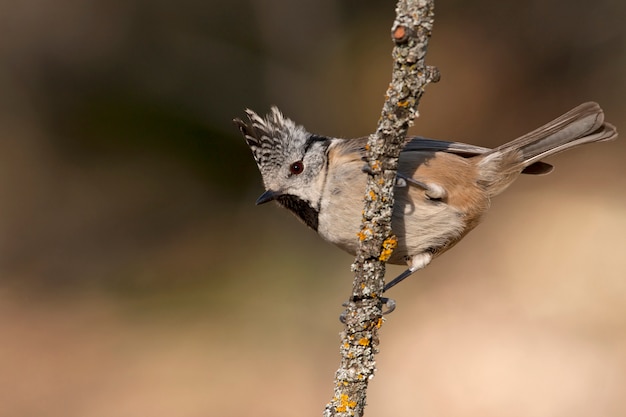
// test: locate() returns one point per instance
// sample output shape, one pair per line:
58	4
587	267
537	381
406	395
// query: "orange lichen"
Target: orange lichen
372	195
388	246
365	234
364	341
345	403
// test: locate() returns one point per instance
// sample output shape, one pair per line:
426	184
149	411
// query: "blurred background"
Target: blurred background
137	277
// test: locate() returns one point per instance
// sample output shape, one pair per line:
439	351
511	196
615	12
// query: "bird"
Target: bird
442	189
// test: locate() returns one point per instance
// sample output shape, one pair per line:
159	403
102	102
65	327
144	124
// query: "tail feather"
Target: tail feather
581	125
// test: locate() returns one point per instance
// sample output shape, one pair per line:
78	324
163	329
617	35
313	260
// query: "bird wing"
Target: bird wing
418	143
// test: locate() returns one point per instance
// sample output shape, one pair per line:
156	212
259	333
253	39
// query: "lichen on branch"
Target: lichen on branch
410	33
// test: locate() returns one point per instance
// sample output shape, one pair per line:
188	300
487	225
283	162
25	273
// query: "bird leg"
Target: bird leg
418	261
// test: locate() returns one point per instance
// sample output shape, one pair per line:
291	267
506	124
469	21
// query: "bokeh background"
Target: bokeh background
138	278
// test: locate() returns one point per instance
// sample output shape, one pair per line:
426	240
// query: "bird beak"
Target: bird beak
266	197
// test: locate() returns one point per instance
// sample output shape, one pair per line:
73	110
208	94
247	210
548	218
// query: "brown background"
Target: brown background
138	278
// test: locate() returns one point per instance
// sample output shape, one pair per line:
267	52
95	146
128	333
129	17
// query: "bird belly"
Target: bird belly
420	223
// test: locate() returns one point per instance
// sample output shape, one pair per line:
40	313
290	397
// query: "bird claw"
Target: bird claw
433	191
390	303
367	169
342	316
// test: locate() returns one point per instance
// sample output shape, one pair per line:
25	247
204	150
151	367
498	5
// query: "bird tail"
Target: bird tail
583	124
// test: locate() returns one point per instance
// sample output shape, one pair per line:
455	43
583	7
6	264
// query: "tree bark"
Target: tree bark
363	318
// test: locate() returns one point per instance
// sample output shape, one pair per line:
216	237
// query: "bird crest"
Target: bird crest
272	138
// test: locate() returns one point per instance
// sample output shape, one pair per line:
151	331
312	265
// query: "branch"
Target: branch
363	317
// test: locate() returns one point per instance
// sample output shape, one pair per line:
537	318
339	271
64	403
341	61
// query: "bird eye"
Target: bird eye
296	168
